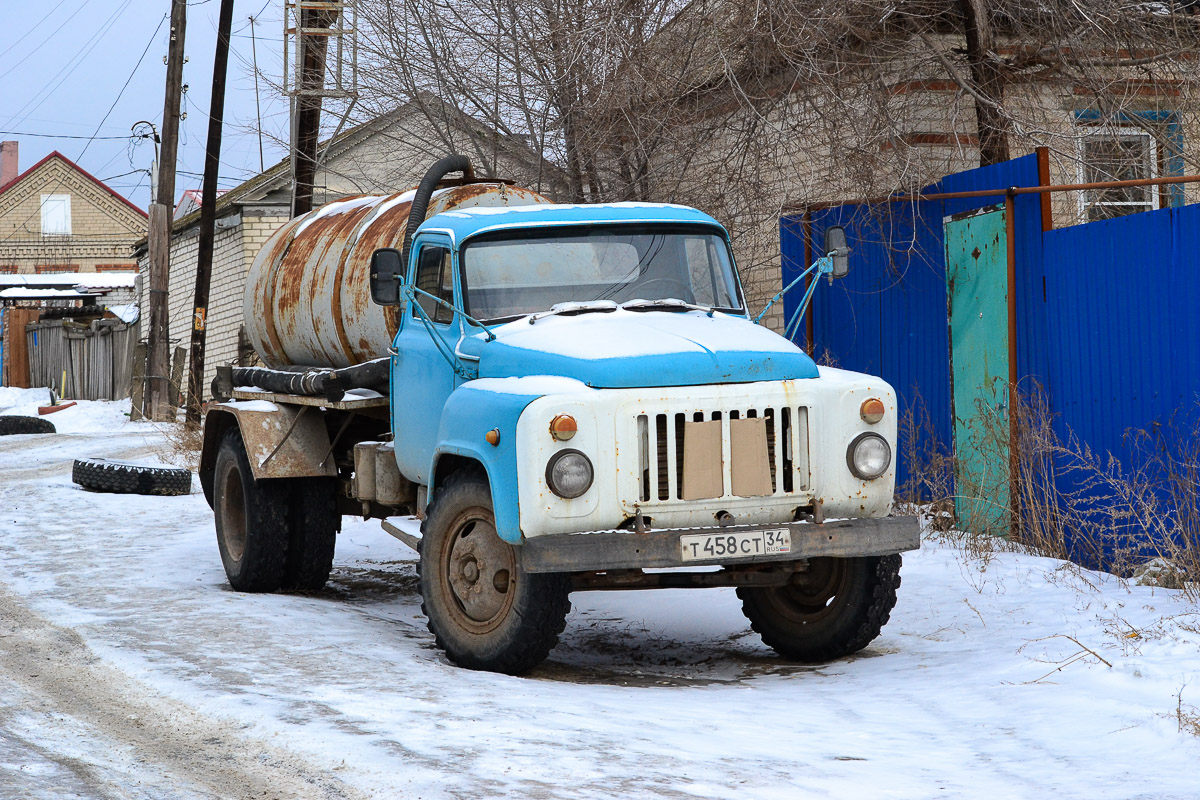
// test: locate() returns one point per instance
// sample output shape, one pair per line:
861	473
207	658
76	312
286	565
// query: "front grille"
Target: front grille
665	470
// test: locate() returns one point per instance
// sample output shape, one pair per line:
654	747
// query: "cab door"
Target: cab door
422	378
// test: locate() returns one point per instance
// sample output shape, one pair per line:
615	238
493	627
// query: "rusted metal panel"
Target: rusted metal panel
282	440
307	298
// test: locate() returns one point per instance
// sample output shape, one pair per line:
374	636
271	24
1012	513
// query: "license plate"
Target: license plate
746	544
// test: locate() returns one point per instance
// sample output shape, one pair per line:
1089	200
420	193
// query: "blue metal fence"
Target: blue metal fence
888	316
1107	312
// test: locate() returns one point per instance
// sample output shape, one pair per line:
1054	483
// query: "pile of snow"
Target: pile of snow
86	416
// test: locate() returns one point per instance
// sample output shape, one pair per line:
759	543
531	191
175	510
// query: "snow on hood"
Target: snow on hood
624	349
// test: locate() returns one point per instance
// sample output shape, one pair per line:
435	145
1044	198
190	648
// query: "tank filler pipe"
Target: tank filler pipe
420	203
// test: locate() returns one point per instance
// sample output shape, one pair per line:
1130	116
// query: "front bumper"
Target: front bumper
611	550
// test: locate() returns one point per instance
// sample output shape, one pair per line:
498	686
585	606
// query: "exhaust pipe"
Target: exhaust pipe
420	203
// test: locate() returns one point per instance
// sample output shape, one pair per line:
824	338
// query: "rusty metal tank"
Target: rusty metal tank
308	300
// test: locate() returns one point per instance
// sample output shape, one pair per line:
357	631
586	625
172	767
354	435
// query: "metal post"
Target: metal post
809	344
1043	166
1010	230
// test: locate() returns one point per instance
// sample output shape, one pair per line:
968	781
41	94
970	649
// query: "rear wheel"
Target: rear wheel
834	608
313	525
484	611
252	520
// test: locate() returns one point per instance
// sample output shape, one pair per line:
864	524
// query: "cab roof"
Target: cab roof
462	223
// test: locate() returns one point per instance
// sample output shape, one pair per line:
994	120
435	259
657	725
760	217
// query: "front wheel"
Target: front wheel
484	611
834	608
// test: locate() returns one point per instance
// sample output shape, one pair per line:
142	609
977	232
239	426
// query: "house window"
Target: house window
8	269
42	269
1117	154
116	268
56	215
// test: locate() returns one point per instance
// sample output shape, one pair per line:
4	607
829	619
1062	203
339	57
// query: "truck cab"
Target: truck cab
578	399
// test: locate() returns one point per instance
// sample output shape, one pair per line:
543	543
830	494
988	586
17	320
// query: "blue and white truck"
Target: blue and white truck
568	398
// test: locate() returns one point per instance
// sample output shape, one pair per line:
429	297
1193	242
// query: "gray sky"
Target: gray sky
63	63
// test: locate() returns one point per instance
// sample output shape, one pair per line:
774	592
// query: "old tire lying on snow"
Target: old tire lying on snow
123	477
13	425
835	608
484	610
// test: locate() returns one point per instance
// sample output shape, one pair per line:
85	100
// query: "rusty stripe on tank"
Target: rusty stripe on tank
275	251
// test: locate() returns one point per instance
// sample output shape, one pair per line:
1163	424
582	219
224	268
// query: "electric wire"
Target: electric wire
121	93
63	74
40	44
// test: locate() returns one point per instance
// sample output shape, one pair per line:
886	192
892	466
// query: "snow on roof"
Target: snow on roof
127	313
26	293
95	280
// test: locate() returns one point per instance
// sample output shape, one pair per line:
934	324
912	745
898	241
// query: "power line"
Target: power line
60	135
93	137
128	80
64	73
53	33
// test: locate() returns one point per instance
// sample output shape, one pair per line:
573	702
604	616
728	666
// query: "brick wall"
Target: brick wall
234	249
103	227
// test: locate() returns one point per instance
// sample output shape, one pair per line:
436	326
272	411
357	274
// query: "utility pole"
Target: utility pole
208	217
159	239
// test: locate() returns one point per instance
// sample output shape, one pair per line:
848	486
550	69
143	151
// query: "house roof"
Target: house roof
55	154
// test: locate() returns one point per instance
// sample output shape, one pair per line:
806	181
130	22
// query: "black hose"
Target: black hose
317	382
420	203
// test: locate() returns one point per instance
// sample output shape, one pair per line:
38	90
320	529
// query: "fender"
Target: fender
282	440
479	406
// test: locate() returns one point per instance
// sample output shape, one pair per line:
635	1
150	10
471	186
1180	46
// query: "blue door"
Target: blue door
422	378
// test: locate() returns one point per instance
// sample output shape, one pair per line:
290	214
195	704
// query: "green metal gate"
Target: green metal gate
978	308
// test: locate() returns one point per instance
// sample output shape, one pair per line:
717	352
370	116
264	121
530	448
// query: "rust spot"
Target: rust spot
315	286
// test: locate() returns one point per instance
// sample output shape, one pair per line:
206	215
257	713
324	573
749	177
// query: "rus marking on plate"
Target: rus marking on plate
747	544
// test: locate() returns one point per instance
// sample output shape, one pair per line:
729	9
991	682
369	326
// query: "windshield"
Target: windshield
529	271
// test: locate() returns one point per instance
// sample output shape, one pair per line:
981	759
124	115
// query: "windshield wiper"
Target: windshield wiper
669	302
578	307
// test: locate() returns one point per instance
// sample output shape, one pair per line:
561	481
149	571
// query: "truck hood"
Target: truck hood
625	349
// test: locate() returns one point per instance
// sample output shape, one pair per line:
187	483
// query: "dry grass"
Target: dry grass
1070	502
181	445
1187	717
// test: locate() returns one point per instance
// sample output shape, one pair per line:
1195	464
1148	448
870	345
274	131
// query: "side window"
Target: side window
436	276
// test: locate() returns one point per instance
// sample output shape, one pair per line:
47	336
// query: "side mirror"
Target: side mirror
387	272
837	249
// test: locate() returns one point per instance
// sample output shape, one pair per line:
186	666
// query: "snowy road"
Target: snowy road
132	671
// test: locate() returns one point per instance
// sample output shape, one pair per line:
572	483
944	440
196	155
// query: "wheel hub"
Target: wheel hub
480	570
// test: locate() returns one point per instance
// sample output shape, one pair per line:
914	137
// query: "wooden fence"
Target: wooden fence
82	361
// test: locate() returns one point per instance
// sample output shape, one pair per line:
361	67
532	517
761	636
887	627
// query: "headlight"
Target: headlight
869	456
569	474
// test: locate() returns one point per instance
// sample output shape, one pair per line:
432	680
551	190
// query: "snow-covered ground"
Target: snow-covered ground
131	670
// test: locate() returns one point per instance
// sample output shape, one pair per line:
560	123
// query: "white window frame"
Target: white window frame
48	226
1106	131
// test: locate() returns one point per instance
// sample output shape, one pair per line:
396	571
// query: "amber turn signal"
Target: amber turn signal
493	437
871	410
563	427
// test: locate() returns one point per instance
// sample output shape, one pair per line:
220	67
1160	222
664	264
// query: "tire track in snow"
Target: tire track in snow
170	739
